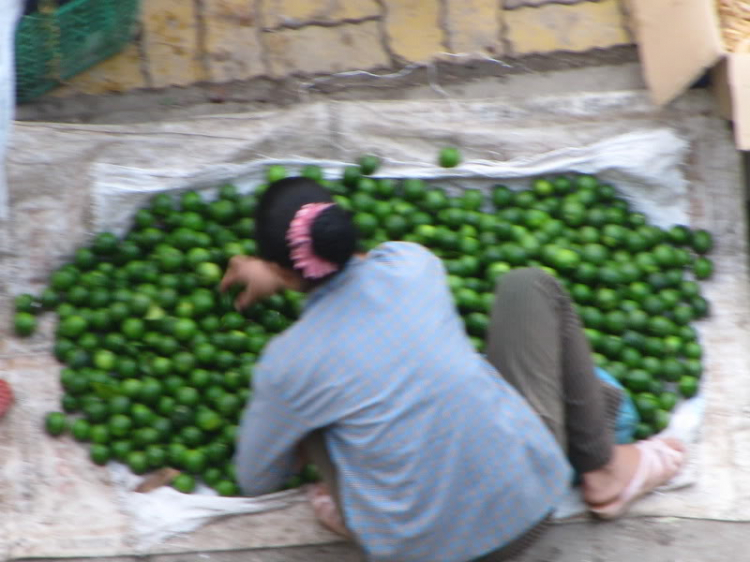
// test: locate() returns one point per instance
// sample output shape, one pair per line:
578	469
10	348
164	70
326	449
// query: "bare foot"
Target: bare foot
605	485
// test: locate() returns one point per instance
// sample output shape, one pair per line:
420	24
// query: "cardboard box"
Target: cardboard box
678	41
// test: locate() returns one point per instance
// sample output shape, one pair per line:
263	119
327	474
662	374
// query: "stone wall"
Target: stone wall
184	42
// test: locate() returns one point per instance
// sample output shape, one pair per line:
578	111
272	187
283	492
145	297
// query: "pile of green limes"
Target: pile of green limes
158	364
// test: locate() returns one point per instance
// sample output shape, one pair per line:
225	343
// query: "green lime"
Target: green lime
120	425
702	241
368	186
611	346
138	462
145	436
692	350
693	367
63	279
100	434
368	164
49	298
184	329
104	244
162	204
192	201
699	307
672	369
703	268
614	235
209	274
573	213
26	303
81	430
647	405
631	357
351	175
140	414
312	172
99	453
194	461
449	157
661	326
228	191
183	362
275	172
502	196
413	189
609	274
668	400
184	483
187	396
222	211
229	404
72	326
150	391
104	359
615	321
434	200
118	311
563	185
477	324
606	298
582	294
638	380
24	323
396	226
366	223
208	420
682	314
133	328
594	253
77	295
156	455
55	423
121	449
642	431
471	200
688	386
679	235
227	488
170	259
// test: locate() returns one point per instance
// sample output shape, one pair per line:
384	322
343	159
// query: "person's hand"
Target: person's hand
259	278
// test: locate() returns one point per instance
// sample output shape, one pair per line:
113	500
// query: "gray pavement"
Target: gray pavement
628	540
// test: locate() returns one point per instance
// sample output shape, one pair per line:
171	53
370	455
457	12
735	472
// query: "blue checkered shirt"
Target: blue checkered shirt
438	458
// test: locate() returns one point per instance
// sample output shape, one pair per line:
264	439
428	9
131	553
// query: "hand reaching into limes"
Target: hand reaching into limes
259	278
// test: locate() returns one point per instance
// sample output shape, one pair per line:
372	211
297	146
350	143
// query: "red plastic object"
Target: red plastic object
6	397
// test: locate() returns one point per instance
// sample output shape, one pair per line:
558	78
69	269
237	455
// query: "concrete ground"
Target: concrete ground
629	540
539	74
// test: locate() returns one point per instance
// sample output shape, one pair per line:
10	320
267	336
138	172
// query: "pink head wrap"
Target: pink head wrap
299	238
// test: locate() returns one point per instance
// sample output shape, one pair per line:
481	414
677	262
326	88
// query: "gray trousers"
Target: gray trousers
535	340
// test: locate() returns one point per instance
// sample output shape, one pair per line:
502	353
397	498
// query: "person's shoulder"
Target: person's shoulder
395	251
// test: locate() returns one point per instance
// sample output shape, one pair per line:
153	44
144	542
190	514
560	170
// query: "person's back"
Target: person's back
439	458
429	454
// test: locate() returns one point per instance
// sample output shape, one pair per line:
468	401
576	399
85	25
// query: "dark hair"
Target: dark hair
334	236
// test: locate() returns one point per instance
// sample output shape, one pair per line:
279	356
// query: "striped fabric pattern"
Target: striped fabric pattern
438	458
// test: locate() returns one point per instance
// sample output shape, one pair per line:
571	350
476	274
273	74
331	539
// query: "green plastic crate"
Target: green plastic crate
55	46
